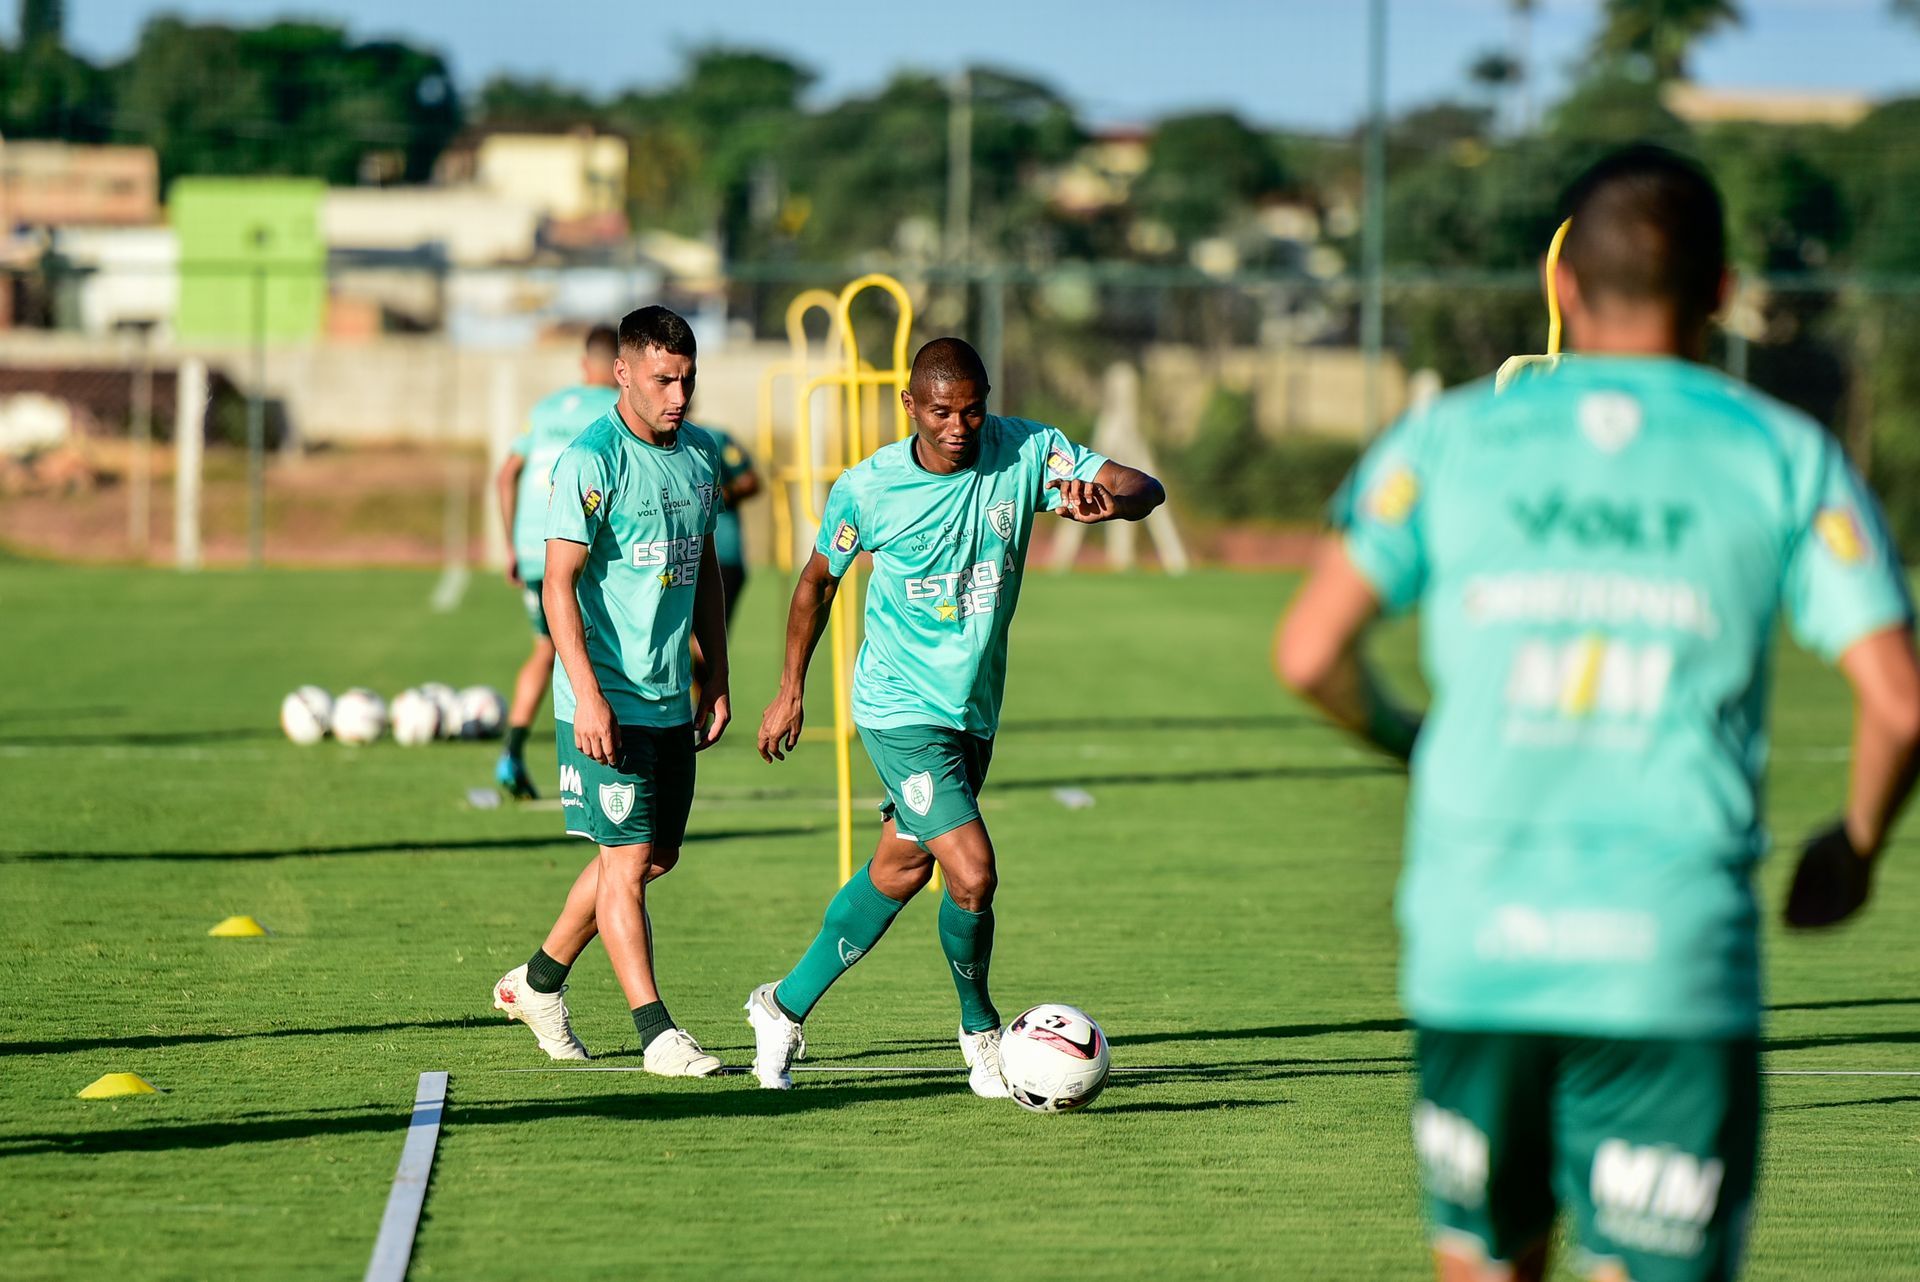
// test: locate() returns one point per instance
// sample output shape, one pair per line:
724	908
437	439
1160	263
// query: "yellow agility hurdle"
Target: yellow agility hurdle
859	433
1512	367
782	477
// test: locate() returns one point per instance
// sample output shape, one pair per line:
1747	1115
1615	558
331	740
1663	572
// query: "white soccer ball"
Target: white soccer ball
306	714
449	701
416	719
1055	1058
482	712
359	716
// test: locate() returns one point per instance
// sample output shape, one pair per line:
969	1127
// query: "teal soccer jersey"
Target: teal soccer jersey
1598	558
555	421
644	514
728	549
948	553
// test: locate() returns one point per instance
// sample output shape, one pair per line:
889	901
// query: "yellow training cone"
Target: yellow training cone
114	1085
238	928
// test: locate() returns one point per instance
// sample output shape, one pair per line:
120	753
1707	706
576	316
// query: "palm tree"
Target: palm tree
1663	31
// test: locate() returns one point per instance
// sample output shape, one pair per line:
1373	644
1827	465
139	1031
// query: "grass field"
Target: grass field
1223	909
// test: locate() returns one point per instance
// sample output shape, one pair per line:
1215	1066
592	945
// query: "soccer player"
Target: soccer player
738	483
522	484
947	514
630	576
1598	557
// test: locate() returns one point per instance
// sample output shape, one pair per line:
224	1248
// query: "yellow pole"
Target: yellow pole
781	478
1553	288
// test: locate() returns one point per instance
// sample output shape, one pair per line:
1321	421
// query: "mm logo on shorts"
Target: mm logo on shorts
1653	1197
1453	1155
571	788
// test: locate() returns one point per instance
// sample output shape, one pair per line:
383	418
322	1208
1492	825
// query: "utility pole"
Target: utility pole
1373	246
960	170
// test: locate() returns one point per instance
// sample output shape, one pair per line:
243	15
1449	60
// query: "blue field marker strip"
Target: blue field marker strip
393	1249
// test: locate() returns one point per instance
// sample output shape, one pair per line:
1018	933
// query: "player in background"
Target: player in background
522	486
947	514
738	483
630	579
1598	557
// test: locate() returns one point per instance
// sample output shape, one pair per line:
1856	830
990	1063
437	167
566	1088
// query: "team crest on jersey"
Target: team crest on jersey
1000	517
590	501
917	792
1392	500
1839	528
705	491
846	538
616	801
1059	462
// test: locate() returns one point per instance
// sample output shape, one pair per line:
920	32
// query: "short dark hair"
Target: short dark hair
947	360
656	326
603	342
1648	225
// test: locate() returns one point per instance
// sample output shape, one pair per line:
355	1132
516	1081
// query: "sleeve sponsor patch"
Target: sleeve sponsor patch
846	538
590	502
1391	500
1059	462
1839	528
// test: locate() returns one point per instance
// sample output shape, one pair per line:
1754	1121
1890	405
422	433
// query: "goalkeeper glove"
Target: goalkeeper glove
1831	882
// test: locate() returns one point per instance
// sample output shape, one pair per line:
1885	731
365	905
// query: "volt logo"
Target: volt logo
1603	523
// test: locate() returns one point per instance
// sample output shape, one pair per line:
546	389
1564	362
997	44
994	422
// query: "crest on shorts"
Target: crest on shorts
616	801
917	792
1000	517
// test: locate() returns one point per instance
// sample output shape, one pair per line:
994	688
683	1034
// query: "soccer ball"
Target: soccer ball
359	716
1055	1059
306	714
482	712
448	700
416	719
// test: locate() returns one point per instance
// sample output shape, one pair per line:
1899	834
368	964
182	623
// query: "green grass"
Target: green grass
1223	909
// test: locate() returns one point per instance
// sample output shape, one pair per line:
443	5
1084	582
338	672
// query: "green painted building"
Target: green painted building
252	258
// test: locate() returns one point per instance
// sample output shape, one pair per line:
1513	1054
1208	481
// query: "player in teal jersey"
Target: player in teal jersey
738	483
947	514
523	481
630	580
1598	557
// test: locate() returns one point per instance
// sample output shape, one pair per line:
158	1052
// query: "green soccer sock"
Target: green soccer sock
517	742
650	1021
544	974
967	940
855	920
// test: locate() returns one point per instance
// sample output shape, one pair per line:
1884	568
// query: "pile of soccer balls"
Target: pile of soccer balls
1055	1058
417	716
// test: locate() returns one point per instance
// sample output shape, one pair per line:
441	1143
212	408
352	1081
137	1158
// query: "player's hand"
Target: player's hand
1088	502
780	726
711	717
595	732
513	574
1831	882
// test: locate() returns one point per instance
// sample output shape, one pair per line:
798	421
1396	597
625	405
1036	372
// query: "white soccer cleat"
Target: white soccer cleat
777	1040
545	1013
675	1054
982	1053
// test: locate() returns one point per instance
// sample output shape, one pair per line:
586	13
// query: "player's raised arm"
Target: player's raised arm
1116	493
806	620
1318	654
506	483
595	732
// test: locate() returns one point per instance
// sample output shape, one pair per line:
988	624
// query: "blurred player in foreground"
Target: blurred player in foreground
738	483
947	514
1598	557
630	579
522	483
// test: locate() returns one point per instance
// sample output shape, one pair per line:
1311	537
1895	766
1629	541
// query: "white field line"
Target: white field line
733	1070
393	1249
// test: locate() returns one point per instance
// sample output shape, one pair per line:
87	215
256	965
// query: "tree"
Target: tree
1662	32
42	20
1203	172
507	100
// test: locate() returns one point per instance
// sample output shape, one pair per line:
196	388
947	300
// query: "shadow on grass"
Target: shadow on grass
1266	1032
1238	774
1195	1106
1847	1103
1079	725
153	1041
1887	1037
369	848
1847	1003
140	738
745	1100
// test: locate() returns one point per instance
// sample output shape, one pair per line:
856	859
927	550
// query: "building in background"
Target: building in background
57	184
576	178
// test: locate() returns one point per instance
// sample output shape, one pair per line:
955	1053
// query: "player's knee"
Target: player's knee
664	858
971	883
625	867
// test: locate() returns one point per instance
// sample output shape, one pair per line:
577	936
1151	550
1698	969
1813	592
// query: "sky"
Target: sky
1298	63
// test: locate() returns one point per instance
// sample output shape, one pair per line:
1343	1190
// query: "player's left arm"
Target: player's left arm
507	485
1319	654
715	710
1116	493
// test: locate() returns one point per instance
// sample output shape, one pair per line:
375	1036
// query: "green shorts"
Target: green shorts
932	776
644	797
1653	1145
536	607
